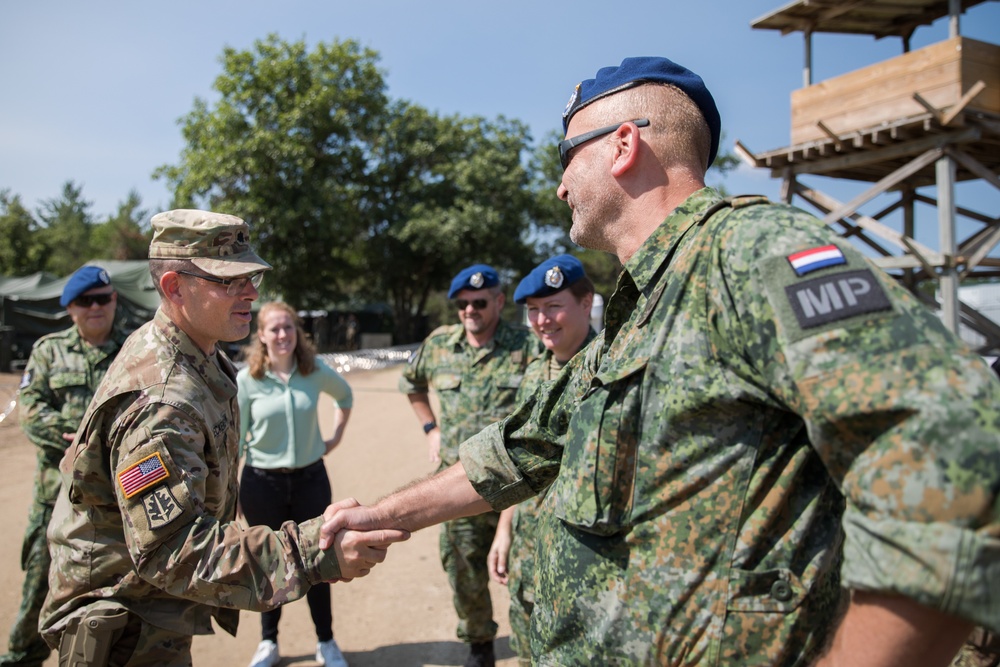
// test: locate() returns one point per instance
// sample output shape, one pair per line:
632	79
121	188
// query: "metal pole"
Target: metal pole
948	279
807	67
909	229
954	11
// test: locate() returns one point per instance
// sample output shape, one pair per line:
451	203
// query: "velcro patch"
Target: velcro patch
836	297
142	475
814	259
25	379
161	507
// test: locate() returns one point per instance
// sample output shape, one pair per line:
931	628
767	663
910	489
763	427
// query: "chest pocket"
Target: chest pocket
67	380
505	387
596	483
448	381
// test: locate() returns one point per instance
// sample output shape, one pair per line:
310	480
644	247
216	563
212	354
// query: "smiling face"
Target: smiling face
209	314
276	330
93	320
561	321
480	321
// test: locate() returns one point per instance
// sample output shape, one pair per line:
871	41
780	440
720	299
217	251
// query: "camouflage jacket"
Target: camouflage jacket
145	519
476	386
61	377
739	438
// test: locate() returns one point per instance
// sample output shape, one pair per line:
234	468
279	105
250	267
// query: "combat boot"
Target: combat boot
481	655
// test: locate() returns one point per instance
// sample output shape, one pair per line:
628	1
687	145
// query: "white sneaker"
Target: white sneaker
266	655
328	654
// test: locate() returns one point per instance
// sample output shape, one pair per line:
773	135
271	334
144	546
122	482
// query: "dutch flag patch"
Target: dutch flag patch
814	259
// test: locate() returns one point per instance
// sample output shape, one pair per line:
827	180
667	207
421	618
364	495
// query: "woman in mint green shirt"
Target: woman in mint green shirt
284	478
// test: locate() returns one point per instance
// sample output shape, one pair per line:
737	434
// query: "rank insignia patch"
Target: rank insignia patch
142	475
814	259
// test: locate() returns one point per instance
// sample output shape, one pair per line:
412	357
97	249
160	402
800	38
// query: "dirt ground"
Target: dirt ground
398	616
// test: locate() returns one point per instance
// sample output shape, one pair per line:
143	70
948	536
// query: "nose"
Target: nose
562	192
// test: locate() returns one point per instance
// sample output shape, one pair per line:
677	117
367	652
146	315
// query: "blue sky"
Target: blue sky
92	91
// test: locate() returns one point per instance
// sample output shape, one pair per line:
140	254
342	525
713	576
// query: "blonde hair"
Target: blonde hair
256	352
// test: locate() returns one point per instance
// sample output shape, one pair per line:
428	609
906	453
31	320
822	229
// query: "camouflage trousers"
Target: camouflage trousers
25	647
521	584
981	649
465	544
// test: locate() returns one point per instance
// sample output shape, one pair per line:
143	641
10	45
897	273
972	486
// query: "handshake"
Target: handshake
353	532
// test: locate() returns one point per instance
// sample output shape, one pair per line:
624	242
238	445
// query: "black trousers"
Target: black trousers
270	498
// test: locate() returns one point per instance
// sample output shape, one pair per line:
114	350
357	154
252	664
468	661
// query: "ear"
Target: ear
501	299
587	301
626	152
170	283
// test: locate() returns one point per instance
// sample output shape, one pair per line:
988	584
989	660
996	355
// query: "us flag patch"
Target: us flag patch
816	258
142	475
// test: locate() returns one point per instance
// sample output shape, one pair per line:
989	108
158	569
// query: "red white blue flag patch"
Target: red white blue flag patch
814	259
142	475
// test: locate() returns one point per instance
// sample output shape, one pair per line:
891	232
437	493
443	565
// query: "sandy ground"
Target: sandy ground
398	616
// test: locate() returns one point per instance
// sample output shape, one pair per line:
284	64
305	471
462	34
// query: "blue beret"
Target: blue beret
634	71
551	276
476	276
85	278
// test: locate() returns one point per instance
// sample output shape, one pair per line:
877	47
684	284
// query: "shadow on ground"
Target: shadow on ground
417	654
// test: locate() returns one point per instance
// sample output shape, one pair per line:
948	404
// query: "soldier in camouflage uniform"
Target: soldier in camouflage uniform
60	379
476	368
772	454
558	296
145	546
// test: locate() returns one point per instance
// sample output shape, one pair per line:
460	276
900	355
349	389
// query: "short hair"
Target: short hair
256	352
677	132
158	267
581	288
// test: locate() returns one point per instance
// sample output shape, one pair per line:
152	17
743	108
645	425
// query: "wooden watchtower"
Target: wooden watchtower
929	117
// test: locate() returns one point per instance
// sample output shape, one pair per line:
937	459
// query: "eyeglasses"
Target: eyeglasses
88	300
234	286
478	304
566	145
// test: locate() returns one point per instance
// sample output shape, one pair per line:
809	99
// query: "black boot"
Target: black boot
481	655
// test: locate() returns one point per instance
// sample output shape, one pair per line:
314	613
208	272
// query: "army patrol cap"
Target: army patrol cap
650	69
553	275
477	276
217	243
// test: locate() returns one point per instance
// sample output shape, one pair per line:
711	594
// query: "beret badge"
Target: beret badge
476	280
554	277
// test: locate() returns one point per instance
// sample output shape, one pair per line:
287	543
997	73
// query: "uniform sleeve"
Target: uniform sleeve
175	541
414	379
903	415
243	399
41	409
336	386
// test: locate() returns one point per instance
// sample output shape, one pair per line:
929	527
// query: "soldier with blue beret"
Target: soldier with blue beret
59	381
145	546
475	367
773	454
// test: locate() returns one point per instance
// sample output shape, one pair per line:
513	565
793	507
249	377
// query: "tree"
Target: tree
122	236
21	252
286	148
66	230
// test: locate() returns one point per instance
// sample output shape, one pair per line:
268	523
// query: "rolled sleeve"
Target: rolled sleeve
491	471
319	565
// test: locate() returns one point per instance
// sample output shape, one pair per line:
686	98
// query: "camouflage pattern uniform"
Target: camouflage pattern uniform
521	557
739	443
476	387
981	649
160	540
62	374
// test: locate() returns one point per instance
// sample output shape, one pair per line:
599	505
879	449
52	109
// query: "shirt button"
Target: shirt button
781	591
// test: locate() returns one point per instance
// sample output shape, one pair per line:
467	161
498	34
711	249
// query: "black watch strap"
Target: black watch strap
430	426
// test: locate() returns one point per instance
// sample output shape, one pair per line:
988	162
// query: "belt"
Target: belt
289	471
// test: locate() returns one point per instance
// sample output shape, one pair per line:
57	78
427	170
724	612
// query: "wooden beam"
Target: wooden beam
973	165
747	155
837	143
934	111
963	102
976	257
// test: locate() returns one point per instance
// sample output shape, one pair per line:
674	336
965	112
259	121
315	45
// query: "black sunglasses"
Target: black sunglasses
234	286
478	304
566	145
88	300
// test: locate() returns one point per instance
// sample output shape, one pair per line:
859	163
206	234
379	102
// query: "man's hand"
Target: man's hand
348	514
434	445
358	552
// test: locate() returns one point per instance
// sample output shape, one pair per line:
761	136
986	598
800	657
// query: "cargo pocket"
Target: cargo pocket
594	489
760	615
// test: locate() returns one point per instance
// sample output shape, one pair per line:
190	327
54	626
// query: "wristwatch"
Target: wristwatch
430	426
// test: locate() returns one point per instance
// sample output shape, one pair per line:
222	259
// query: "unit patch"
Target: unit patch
161	507
836	297
814	259
142	475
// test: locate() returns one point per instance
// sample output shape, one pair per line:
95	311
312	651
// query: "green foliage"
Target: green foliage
21	252
67	223
122	235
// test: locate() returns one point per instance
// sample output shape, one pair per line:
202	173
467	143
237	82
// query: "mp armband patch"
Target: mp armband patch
836	297
142	475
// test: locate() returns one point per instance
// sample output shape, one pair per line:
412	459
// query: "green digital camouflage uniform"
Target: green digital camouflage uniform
146	517
476	387
521	557
739	443
62	374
